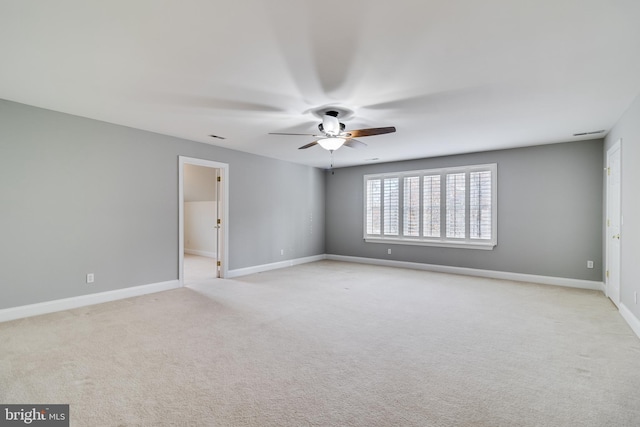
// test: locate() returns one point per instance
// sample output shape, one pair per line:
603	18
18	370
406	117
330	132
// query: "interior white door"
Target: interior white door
614	222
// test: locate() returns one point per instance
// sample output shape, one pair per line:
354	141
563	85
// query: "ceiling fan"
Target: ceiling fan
333	135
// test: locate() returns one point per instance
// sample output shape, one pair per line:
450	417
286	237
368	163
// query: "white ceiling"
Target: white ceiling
453	76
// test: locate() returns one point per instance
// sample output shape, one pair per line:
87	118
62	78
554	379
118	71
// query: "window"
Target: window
431	206
453	207
411	206
391	208
374	202
456	202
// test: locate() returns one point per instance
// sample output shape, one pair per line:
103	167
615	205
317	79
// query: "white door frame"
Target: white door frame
612	266
223	241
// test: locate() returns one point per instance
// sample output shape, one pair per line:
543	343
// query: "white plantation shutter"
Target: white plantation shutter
456	197
480	205
452	207
391	206
373	206
431	206
411	207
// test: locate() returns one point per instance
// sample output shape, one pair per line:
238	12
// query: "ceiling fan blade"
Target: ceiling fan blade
354	143
298	134
311	144
370	132
215	103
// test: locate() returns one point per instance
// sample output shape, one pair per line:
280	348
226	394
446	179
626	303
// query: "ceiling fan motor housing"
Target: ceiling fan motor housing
321	127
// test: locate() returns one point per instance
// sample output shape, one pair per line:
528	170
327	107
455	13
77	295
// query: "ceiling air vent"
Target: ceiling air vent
594	132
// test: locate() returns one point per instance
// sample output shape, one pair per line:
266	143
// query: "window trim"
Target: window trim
441	241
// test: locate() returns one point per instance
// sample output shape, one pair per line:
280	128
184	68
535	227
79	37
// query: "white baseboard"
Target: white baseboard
101	297
200	253
84	300
632	320
273	266
519	277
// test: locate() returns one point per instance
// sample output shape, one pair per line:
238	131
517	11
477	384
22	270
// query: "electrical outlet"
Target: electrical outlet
589	264
90	278
389	251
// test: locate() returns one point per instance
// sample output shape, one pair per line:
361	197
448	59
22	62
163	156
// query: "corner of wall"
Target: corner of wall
632	320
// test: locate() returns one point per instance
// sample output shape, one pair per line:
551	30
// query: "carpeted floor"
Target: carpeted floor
333	344
198	268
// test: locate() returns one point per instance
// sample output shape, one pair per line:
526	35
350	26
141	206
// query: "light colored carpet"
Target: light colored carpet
198	268
333	344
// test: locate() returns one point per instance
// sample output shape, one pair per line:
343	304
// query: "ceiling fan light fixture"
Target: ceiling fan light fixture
331	144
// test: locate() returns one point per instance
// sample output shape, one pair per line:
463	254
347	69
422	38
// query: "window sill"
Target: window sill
486	246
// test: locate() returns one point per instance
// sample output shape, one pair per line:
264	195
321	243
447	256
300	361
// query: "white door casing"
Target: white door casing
218	217
613	224
222	214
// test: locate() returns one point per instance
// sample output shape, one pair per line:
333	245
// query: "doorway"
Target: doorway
614	222
203	212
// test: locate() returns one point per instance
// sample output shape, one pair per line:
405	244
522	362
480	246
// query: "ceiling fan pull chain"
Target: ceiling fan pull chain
331	167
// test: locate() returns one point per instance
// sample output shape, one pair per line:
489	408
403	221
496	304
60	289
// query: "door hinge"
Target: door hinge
218	221
608	171
608	223
219	264
607	274
219	179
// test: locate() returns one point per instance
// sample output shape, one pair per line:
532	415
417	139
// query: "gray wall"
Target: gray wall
81	196
549	212
628	128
